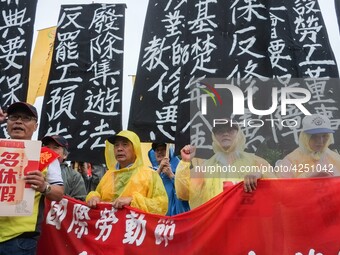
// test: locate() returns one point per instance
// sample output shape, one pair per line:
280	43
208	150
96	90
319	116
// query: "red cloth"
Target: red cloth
47	156
285	216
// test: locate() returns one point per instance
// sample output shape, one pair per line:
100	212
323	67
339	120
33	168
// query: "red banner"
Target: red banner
290	216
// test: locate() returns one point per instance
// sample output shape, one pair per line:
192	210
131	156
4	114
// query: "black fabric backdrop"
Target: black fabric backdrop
16	34
83	99
236	42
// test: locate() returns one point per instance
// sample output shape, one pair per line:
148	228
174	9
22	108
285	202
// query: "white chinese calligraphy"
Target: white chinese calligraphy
165	231
80	216
57	213
105	222
135	228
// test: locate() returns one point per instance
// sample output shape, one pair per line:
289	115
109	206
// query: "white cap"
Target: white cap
316	124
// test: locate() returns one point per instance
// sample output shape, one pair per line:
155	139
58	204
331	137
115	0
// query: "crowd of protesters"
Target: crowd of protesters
165	187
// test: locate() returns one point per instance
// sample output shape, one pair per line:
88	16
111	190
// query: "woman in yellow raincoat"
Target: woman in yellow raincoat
128	181
230	164
312	158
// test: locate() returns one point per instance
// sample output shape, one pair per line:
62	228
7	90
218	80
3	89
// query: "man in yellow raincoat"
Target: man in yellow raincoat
237	165
128	181
312	158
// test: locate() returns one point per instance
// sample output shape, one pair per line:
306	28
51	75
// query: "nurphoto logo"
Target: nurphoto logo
281	99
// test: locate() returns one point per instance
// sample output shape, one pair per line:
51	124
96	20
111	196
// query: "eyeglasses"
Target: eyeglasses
24	118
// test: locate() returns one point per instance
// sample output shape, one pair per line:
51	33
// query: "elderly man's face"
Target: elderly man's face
20	125
160	153
318	142
57	149
124	152
226	137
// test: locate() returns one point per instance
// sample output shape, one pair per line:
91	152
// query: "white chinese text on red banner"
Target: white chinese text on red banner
274	219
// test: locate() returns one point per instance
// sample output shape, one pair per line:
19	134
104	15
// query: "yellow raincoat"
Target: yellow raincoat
303	162
137	181
199	189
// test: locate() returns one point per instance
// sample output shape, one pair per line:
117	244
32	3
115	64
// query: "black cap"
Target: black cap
155	145
112	139
23	106
58	139
222	127
124	135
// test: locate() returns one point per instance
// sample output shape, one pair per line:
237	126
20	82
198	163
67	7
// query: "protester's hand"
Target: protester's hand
93	201
188	153
36	179
120	202
3	115
166	169
164	162
250	183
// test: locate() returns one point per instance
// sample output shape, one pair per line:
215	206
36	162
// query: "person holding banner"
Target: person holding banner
127	181
165	162
74	185
19	235
312	158
208	180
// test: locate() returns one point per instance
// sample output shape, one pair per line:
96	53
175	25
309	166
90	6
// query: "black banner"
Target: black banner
155	99
16	34
83	99
270	39
238	42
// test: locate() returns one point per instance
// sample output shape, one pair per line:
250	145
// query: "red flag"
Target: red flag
286	216
47	156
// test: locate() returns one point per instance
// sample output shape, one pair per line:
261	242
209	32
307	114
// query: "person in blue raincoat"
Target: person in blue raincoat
166	167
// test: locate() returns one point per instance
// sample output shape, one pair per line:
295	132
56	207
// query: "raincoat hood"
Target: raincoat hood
109	149
234	155
137	181
238	144
305	147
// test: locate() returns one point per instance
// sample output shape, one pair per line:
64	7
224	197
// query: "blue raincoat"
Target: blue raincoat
175	205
